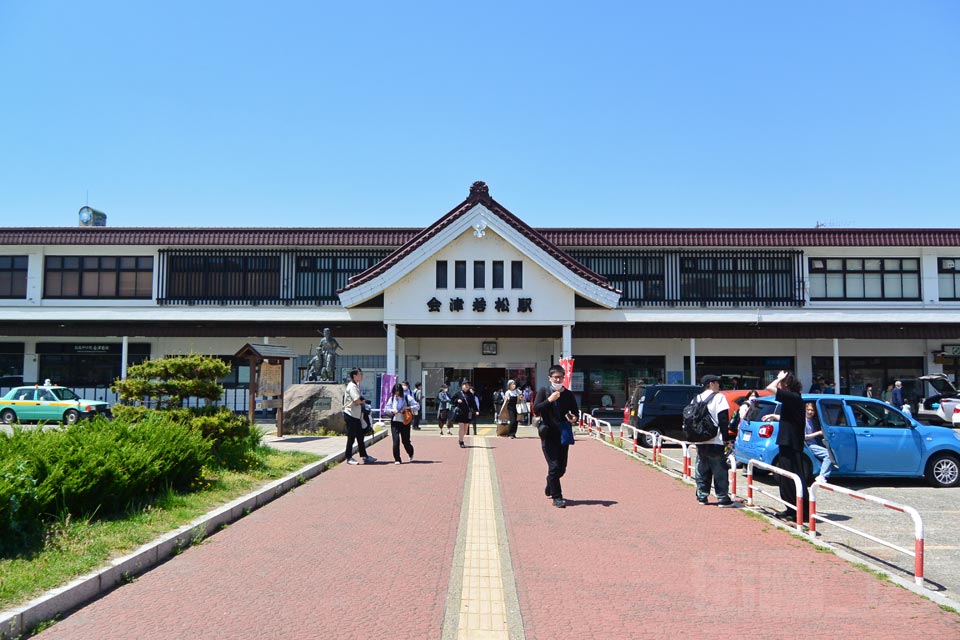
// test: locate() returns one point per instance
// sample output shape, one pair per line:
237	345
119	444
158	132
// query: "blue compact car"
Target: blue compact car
866	438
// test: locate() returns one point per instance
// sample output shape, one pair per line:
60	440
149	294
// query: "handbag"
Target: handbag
407	415
522	406
566	433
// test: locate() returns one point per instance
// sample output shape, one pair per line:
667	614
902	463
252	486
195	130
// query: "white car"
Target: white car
944	406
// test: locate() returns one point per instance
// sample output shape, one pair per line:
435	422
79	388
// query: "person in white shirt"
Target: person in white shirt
711	462
353	403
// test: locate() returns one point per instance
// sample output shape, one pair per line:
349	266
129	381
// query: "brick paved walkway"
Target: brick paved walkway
369	552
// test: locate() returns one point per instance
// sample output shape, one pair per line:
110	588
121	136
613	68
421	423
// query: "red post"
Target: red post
918	560
635	443
750	486
686	463
800	510
813	512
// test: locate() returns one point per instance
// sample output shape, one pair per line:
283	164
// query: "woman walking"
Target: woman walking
353	403
464	408
510	404
399	401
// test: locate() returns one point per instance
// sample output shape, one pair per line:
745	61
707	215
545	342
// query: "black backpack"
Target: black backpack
698	426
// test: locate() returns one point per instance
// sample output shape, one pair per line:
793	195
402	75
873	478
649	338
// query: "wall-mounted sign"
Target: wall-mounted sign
488	348
479	305
951	349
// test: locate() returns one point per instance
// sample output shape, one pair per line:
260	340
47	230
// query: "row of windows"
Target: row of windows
864	279
128	277
641	276
479	274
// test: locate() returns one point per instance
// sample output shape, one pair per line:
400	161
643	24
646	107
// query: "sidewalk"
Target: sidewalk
386	550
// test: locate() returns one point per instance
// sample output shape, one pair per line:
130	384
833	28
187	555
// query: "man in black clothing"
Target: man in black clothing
554	404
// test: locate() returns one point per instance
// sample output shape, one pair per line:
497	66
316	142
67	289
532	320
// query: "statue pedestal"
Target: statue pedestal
310	407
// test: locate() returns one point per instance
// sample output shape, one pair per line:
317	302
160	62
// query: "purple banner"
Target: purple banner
386	387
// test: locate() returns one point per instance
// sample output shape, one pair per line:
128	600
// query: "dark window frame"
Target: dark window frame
442	271
496	274
820	268
13	277
81	274
479	274
516	274
948	268
460	274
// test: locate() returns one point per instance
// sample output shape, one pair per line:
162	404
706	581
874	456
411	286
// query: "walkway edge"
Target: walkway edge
18	621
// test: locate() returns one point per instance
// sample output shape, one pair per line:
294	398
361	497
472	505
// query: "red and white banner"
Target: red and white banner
567	364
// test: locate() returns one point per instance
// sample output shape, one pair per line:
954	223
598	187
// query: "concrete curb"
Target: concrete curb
56	602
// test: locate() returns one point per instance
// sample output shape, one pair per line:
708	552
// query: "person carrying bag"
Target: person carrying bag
558	409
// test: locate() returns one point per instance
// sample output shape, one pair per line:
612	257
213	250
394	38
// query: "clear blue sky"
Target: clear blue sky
215	113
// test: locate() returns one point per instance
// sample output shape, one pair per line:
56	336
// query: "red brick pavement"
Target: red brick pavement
634	555
359	552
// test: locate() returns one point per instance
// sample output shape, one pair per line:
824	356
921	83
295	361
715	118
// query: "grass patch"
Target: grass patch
871	571
949	609
76	546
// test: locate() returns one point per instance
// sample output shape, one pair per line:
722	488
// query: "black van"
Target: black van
658	408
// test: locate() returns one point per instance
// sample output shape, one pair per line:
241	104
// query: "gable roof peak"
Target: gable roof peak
479	193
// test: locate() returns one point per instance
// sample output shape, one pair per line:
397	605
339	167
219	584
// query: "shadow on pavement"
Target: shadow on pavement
588	503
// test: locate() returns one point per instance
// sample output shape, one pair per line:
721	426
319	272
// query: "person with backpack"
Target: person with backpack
708	427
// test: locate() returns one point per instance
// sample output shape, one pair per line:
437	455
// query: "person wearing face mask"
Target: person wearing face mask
555	403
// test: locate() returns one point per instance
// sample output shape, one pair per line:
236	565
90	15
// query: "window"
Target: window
831	413
640	276
441	274
460	274
98	277
498	274
948	274
864	279
516	274
13	276
479	274
737	278
320	274
875	414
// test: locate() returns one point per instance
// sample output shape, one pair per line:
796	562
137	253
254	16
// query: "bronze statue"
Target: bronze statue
323	364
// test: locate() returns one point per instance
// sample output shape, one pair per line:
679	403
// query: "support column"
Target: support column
566	350
693	361
836	366
392	349
124	356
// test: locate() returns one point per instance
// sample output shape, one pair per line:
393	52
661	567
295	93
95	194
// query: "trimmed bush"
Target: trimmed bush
99	467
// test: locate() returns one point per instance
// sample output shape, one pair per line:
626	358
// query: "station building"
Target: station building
480	294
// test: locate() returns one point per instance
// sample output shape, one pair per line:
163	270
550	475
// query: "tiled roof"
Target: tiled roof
568	238
479	194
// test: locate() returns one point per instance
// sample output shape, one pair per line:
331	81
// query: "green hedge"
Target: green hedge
232	438
99	467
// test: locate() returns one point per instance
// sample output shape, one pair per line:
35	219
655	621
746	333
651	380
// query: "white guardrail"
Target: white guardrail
917	552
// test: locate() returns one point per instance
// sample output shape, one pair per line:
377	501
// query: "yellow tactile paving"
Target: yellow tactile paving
483	613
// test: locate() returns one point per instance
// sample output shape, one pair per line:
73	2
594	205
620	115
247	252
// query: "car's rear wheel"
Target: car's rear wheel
71	416
648	439
8	416
943	470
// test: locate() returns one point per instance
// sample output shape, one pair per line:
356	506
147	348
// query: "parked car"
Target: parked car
611	415
50	403
866	438
658	408
943	407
